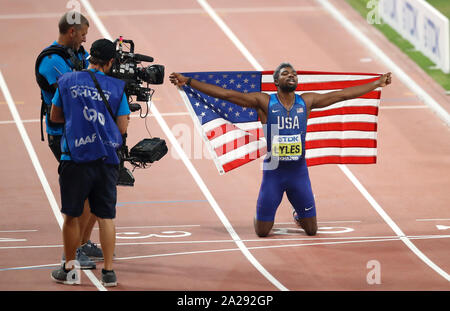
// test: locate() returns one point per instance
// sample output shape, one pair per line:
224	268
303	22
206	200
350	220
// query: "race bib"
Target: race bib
287	147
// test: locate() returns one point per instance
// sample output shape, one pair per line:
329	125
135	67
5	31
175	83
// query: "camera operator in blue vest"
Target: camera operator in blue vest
95	112
66	54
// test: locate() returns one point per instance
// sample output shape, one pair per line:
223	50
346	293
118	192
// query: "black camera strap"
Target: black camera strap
78	64
75	63
100	91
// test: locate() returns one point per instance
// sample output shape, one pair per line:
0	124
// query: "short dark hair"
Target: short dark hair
277	71
71	19
103	49
99	62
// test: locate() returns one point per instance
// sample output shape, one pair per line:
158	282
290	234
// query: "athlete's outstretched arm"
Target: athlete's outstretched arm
251	100
323	100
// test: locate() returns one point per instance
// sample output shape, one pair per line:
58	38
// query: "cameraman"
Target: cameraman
95	111
66	54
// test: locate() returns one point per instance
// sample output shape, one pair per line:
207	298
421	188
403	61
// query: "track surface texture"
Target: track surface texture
183	226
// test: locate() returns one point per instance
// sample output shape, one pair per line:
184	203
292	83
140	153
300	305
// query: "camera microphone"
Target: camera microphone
143	58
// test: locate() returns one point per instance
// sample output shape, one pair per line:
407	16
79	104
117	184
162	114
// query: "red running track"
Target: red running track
180	231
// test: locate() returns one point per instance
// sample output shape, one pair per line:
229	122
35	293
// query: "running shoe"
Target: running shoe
109	278
65	277
85	262
92	250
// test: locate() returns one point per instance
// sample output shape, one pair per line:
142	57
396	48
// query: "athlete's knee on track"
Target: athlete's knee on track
262	228
262	232
309	225
311	232
310	229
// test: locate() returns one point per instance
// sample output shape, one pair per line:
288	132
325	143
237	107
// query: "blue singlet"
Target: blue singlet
285	167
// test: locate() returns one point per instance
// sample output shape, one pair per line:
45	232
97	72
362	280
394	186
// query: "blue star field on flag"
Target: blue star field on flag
208	108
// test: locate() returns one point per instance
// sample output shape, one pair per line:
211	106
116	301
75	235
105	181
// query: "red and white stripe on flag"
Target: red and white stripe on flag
234	145
343	133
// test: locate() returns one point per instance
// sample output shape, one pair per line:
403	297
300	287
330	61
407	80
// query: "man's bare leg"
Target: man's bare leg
71	234
87	223
107	240
84	222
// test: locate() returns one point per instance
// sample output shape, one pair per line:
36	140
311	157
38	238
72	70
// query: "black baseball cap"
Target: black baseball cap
103	49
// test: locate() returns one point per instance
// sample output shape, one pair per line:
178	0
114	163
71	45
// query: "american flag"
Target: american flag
343	133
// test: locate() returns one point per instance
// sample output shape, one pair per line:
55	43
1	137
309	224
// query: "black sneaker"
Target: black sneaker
109	278
66	277
92	250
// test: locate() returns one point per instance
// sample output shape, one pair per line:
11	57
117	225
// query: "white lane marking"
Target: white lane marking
12	240
31	246
31	152
214	204
434	219
350	239
320	230
218	211
23	121
386	239
391	223
164	234
230	34
145	12
404	107
160	226
363	239
31	267
396	70
408	81
192	169
422	237
38	167
179	114
167	114
17	231
323	222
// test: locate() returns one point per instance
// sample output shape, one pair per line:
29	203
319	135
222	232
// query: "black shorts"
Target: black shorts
54	142
95	181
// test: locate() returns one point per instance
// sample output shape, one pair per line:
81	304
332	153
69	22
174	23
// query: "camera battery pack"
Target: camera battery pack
149	150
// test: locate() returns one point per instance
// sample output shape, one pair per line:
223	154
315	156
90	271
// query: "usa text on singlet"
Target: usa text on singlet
286	130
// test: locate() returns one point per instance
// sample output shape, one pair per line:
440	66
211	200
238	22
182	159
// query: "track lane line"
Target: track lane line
146	12
31	152
192	169
38	168
168	114
356	240
179	114
403	76
391	223
392	239
276	240
406	80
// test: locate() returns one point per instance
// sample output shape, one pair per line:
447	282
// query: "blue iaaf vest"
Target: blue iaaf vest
90	130
286	130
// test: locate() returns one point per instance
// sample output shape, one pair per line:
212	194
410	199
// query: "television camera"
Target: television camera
127	67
